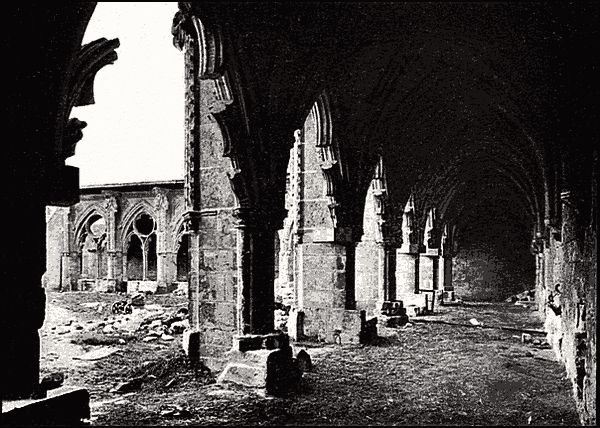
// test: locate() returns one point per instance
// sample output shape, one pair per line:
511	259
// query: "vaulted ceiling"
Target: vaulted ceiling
466	102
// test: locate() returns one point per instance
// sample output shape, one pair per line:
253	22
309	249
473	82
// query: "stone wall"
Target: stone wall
493	271
571	262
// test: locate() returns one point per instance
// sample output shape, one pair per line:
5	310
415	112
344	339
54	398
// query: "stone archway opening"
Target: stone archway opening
140	271
93	266
183	261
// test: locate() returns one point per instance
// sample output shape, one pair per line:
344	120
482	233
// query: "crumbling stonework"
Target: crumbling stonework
567	298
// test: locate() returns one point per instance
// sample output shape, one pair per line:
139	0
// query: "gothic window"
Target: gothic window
141	248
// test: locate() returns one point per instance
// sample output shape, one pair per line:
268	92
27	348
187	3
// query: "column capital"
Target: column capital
111	204
249	217
431	252
390	241
165	253
538	244
191	221
408	248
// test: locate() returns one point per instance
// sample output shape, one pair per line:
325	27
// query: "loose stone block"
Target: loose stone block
272	369
191	344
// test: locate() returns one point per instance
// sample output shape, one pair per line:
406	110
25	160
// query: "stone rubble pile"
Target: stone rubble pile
150	323
525	296
163	325
541	343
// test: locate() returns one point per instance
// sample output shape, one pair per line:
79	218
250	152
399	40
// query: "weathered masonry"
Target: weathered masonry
119	237
474	125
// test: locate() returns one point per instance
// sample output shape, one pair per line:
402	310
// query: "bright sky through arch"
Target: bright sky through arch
135	129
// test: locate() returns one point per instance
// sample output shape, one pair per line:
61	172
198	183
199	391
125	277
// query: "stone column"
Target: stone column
192	227
326	286
161	272
382	270
163	261
166	269
70	270
390	272
256	273
350	286
187	41
407	271
23	300
445	276
429	270
112	261
69	257
408	255
386	275
540	287
145	248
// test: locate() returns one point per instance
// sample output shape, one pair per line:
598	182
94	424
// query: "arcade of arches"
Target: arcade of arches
120	237
462	128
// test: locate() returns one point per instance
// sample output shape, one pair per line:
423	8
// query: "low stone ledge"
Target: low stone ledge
62	406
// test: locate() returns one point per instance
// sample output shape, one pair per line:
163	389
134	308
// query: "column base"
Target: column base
140	286
62	406
392	314
414	303
449	299
106	285
332	325
262	361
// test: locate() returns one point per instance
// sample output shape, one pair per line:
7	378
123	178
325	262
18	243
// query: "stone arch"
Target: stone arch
177	231
409	77
81	220
91	240
328	151
431	232
131	214
179	246
140	244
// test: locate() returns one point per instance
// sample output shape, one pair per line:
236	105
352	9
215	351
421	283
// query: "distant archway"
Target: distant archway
140	248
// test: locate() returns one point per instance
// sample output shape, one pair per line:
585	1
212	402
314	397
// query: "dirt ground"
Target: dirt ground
422	374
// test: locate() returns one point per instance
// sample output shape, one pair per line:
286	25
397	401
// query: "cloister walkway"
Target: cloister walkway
427	373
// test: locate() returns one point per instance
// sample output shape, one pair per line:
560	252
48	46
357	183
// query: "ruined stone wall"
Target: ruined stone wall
285	290
572	263
493	271
54	248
